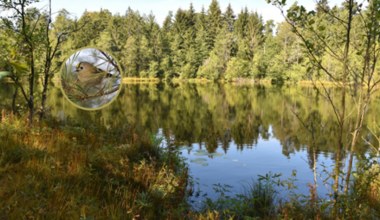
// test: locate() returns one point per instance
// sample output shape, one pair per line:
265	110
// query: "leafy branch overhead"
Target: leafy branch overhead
29	57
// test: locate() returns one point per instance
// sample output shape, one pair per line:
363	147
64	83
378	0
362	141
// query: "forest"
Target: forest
214	43
198	80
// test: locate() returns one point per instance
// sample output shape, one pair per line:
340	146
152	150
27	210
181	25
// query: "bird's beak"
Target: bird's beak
77	67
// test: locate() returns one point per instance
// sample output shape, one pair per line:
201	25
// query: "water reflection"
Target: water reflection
230	133
215	114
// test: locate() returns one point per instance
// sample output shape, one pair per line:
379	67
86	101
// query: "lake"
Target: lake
231	133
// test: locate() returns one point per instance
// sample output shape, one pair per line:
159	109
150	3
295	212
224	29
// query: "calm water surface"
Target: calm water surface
230	134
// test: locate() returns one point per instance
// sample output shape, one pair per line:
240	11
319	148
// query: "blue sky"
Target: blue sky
160	8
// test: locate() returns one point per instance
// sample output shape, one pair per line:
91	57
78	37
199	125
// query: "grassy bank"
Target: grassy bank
56	171
261	200
72	171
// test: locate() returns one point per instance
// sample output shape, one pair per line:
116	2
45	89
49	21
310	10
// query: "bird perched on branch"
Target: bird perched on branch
92	80
90	75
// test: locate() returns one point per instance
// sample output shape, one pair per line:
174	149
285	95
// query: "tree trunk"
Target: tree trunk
45	83
31	89
48	61
14	110
342	115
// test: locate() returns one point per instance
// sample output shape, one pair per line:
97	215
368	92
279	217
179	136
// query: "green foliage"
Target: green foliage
142	179
212	68
258	200
237	68
193	44
154	69
188	45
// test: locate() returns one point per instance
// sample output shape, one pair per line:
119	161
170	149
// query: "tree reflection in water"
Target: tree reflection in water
226	118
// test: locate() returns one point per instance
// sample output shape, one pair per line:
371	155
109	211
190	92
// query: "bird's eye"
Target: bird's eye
81	68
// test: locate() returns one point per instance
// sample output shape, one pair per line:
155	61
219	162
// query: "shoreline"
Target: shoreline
238	81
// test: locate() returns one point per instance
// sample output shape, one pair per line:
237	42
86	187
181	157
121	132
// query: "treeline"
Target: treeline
213	43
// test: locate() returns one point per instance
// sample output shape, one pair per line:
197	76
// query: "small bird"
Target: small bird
89	75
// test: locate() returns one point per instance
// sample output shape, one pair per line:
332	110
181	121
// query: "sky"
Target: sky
160	8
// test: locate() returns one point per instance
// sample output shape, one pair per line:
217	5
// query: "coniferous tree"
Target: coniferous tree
229	18
214	22
202	46
167	38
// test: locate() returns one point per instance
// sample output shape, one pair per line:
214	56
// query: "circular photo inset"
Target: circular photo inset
90	78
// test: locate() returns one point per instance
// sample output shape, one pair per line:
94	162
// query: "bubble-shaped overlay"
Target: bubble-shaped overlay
91	78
